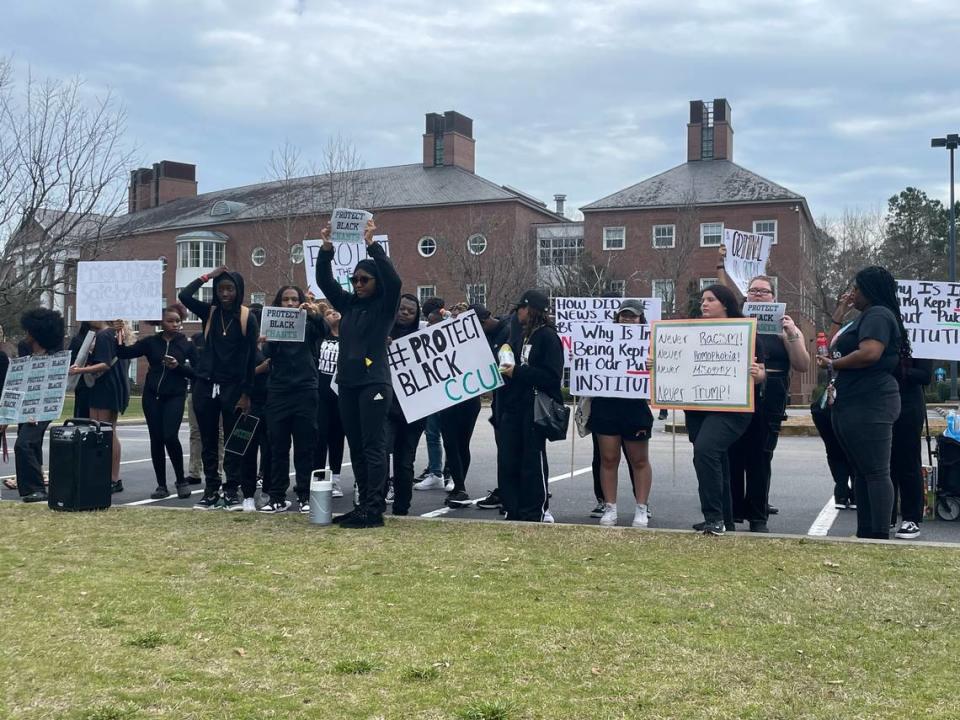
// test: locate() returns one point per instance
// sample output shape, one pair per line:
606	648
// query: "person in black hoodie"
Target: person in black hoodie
330	437
522	448
363	373
171	357
404	437
292	403
497	331
259	447
224	377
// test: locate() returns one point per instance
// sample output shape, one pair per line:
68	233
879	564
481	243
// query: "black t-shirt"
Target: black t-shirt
875	323
772	352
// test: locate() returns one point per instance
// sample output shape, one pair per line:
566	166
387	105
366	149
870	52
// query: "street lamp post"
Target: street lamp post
950	142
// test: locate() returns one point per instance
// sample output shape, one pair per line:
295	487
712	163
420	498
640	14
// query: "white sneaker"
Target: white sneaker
448	484
609	517
389	498
430	482
548	517
249	505
908	530
641	518
337	492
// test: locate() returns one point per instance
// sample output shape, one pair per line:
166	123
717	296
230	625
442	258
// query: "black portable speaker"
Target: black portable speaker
80	458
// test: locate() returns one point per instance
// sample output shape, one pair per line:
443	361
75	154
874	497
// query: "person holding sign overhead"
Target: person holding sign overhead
363	375
712	433
623	423
751	457
866	401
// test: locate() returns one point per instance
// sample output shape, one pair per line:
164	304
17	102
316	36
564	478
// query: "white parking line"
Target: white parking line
821	526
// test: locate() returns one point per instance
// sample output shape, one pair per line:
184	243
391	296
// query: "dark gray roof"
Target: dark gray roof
62	224
381	188
703	182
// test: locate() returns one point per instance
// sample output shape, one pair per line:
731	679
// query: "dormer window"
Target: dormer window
225	207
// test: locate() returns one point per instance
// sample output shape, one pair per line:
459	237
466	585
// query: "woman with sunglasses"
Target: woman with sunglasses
751	457
363	373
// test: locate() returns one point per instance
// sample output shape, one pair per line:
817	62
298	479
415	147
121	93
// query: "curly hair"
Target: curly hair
278	298
878	286
45	327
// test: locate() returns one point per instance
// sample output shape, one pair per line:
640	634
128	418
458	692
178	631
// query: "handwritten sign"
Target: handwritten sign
345	259
931	316
769	316
348	226
35	388
120	290
284	324
747	256
570	310
442	365
610	360
703	364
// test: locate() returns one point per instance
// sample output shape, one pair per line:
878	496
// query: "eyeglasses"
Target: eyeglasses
360	279
759	291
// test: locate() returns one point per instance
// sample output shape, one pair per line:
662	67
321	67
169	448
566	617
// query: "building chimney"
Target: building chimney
448	140
709	133
559	200
165	182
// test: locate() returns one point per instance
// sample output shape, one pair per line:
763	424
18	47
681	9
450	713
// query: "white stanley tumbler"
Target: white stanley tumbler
321	500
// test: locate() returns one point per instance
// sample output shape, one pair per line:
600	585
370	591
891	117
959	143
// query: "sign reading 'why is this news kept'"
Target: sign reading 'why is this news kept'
703	364
610	360
931	315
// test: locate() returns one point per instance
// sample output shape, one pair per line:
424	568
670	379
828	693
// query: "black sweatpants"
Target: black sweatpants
164	416
523	460
363	411
403	439
595	467
291	417
906	460
28	457
864	428
330	437
840	467
456	428
712	434
212	413
259	446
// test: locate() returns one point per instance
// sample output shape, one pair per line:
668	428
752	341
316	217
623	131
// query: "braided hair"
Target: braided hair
879	288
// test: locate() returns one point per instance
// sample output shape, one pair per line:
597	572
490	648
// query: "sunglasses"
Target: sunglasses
360	279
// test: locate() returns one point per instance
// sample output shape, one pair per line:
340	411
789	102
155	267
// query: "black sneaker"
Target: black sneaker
117	486
183	489
346	516
457	499
232	502
160	493
362	521
208	502
908	530
38	496
714	528
597	511
303	505
276	506
491	502
772	510
758	526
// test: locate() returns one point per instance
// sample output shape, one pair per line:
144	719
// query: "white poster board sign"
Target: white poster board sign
35	388
284	324
120	290
747	256
442	365
769	316
931	316
703	364
569	310
610	360
345	259
348	226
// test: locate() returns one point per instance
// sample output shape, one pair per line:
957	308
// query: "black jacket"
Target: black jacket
541	369
228	357
294	365
365	322
162	381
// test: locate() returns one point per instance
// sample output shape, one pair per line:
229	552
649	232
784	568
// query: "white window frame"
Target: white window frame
617	286
478	238
425	240
668	304
205	294
559	251
296	254
258	256
471	293
423	294
773	235
703	226
673	237
707	282
258	297
607	241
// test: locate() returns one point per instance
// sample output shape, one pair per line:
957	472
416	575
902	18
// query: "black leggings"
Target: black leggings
456	428
330	436
906	460
164	416
363	411
840	467
403	440
523	462
291	417
212	414
712	434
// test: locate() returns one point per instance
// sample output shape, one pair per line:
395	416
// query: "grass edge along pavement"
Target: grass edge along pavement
138	613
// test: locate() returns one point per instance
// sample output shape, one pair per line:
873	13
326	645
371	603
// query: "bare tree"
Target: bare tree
63	169
588	276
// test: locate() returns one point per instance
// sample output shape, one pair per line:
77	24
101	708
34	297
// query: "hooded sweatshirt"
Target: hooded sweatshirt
161	381
294	365
400	331
229	356
365	322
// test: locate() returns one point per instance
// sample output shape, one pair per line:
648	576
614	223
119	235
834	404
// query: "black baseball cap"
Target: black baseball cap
534	298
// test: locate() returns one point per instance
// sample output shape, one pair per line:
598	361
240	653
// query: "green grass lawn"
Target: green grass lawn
134	409
139	613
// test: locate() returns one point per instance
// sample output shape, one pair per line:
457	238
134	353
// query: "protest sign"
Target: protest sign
120	290
241	435
569	310
345	259
769	316
348	226
931	316
703	364
35	388
442	365
747	256
610	360
284	324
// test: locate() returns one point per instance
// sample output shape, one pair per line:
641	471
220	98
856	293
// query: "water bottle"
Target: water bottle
505	357
321	499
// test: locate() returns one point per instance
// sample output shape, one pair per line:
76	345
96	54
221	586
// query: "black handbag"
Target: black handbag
550	417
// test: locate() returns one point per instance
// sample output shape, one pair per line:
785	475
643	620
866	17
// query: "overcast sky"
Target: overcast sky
835	100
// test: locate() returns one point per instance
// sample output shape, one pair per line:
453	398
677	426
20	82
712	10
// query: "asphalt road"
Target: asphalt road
801	485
